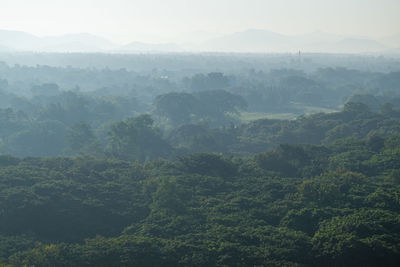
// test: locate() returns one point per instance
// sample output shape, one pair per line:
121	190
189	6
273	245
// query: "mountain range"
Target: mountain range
252	40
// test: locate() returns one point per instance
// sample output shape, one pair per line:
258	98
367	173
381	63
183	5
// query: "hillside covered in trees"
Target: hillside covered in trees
296	205
220	165
224	105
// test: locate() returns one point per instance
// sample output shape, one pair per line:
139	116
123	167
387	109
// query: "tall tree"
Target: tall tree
137	139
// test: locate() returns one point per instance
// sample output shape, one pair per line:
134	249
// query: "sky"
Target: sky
124	21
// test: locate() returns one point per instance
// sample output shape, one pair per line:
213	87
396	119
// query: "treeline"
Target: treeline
267	88
181	124
296	205
51	102
56	111
187	63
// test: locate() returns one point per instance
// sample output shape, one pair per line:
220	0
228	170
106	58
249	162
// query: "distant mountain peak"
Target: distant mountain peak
249	40
82	42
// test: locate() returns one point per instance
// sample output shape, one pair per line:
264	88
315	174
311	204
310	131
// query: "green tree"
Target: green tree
178	108
137	139
81	138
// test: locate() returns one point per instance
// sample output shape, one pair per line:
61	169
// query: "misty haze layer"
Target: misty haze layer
255	41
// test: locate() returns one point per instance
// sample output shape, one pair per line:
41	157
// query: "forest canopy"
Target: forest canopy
218	160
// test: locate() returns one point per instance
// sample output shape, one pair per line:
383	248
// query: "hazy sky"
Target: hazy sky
160	20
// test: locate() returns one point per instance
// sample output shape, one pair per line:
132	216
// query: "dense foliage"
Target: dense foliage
61	111
149	167
295	205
